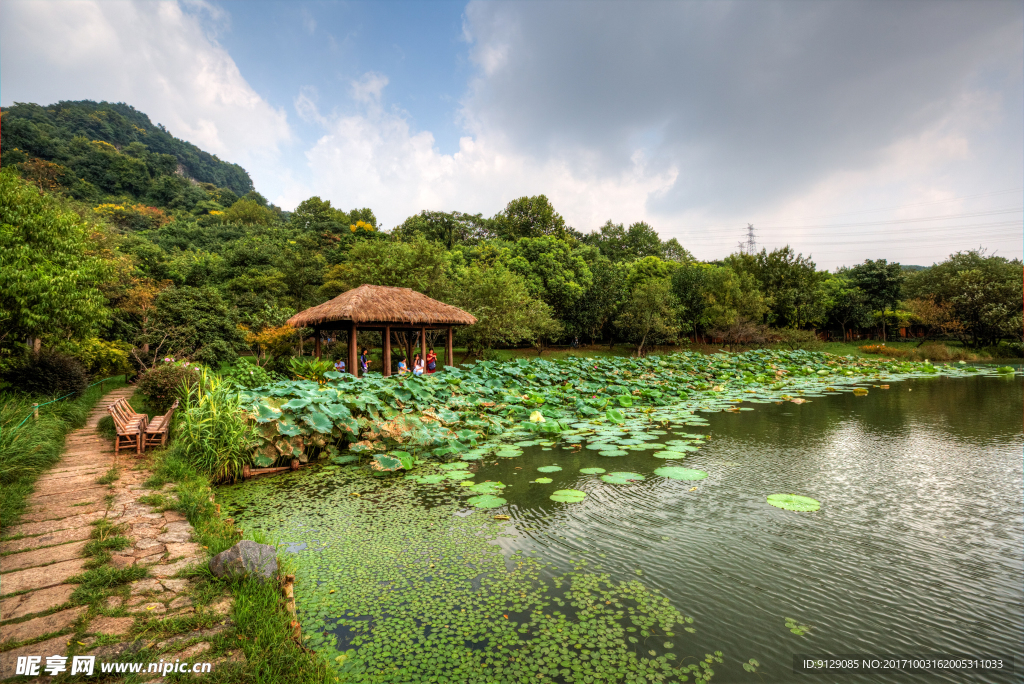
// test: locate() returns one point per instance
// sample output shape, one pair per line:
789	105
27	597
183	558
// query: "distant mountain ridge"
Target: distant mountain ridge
49	132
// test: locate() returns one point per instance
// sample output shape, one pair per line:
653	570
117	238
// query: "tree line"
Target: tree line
126	273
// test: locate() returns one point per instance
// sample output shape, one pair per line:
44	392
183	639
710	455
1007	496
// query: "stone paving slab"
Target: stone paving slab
36	601
61	537
53	513
58	498
76	483
40	578
37	627
58	479
51	554
9	659
110	625
48	526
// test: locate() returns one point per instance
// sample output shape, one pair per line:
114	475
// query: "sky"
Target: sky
848	130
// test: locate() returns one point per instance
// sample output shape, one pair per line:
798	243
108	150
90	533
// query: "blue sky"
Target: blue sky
419	46
848	129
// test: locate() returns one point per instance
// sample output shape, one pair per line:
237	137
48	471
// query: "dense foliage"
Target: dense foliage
138	261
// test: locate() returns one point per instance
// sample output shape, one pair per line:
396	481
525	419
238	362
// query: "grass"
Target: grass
28	450
262	625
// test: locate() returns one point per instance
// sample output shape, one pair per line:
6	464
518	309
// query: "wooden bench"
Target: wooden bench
158	431
130	426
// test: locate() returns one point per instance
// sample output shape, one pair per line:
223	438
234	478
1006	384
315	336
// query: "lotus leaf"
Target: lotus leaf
615	416
549	469
794	502
568	496
622	477
486	501
383	462
676	473
543	480
592	471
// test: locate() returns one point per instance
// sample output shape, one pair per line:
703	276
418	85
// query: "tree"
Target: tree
845	303
448	228
529	217
420	265
49	276
554	272
601	301
789	282
505	311
716	297
248	212
881	282
649	313
198	323
638	241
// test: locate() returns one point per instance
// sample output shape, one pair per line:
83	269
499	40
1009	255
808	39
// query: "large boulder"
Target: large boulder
246	558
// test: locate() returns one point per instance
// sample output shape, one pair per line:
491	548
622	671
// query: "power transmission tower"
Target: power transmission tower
750	246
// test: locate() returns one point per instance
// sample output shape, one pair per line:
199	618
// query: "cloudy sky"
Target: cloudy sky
849	130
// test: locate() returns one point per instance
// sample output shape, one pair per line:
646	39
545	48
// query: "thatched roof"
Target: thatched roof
377	304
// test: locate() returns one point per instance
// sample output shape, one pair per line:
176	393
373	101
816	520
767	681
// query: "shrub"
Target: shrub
248	376
49	373
792	338
162	384
212	432
101	359
311	368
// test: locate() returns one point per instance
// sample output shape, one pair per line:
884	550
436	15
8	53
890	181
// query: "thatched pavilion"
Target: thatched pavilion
385	310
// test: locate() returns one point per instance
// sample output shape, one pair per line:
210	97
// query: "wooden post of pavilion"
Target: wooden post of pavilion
387	351
316	342
448	352
423	347
353	352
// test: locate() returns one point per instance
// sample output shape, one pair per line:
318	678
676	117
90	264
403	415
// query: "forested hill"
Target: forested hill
137	152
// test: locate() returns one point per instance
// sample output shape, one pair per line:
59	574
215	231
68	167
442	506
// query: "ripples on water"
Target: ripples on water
917	547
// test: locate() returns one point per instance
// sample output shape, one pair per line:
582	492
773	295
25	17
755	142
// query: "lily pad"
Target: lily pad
622	477
568	496
794	502
592	471
486	501
549	469
543	480
677	473
453	466
615	416
613	452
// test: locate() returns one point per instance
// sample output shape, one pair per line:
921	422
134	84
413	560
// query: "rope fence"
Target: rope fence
36	407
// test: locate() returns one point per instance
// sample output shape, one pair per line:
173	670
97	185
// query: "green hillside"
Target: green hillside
111	150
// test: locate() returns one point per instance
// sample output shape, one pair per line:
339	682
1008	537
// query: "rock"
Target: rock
114	602
171	569
119	561
9	659
143	586
173	516
246	557
36	601
40	578
150	560
188	550
194	650
177	586
111	625
180	602
37	627
223	607
150	546
175	537
151	608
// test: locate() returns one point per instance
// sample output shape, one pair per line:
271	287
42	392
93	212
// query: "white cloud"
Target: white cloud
155	56
375	159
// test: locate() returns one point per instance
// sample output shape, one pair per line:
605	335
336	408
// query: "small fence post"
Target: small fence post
35	411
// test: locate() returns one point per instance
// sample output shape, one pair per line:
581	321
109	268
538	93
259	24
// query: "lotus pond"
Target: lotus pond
678	519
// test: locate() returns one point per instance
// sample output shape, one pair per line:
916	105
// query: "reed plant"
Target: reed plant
212	432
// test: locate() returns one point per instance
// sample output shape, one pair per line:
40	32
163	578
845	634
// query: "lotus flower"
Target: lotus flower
537	417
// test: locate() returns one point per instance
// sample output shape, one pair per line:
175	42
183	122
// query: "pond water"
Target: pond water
918	547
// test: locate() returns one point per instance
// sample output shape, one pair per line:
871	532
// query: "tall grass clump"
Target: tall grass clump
27	448
212	432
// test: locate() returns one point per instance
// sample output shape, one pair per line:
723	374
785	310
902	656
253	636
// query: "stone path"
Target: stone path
68	500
